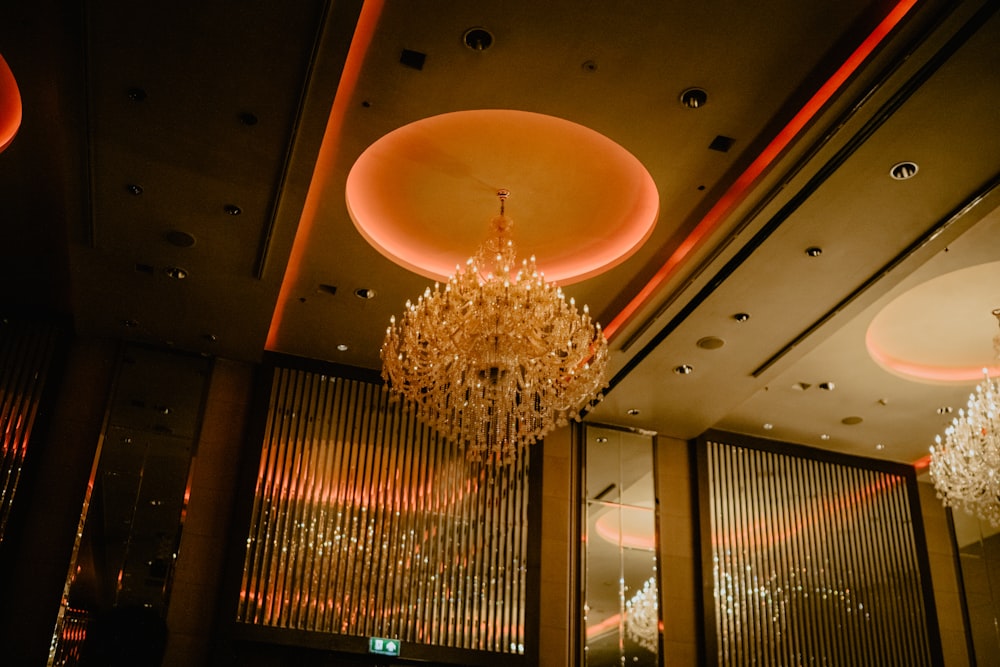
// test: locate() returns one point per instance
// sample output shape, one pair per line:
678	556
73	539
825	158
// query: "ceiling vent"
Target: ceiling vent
413	59
721	144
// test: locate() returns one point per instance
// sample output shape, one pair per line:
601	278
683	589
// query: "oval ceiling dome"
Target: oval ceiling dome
423	195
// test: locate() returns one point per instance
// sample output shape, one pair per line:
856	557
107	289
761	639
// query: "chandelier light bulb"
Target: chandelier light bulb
497	359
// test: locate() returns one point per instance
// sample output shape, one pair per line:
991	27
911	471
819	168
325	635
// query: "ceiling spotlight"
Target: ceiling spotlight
176	272
364	293
694	98
601	440
828	386
478	39
814	251
945	410
683	369
824	436
342	347
632	412
741	317
134	189
768	426
211	338
904	170
879	446
232	209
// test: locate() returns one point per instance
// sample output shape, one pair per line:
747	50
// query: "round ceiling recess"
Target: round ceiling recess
423	195
941	331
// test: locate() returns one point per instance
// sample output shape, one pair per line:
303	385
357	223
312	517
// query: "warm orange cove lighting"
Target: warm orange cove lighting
913	370
363	34
423	194
741	186
10	105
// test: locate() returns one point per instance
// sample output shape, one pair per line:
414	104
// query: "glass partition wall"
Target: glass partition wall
621	582
978	546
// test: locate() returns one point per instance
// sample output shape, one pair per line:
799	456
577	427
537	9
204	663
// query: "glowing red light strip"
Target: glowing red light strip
739	188
364	31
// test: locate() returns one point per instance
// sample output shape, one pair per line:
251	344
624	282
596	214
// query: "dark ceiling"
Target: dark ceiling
159	137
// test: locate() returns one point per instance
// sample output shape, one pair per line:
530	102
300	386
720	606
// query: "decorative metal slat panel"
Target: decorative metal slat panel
814	562
26	351
366	523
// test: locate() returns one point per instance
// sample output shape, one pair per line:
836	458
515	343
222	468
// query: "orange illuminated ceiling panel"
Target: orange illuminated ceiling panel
10	105
423	194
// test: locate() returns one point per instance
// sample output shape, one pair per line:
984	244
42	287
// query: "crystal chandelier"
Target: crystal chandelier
495	359
642	619
965	466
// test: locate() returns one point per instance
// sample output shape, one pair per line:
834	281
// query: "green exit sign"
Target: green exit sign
383	646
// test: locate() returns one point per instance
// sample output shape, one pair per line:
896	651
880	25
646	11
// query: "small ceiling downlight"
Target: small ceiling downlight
904	170
694	98
478	39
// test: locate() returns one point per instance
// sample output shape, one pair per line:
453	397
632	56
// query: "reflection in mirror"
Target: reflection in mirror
119	579
979	554
621	586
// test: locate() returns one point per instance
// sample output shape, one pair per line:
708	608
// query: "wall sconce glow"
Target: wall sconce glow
10	105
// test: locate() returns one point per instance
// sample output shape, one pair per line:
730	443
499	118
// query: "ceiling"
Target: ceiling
214	141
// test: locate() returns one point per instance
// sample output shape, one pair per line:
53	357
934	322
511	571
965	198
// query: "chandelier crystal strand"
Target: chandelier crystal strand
965	464
496	358
642	619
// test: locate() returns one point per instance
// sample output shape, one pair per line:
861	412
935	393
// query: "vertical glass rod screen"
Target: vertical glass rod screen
366	523
813	562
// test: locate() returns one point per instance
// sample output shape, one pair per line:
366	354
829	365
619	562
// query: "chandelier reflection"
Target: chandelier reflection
965	465
496	358
642	620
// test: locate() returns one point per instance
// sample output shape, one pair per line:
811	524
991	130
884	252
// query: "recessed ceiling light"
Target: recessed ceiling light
945	410
768	426
824	436
211	338
814	251
851	421
879	446
176	272
364	293
342	347
741	317
694	98
827	386
601	439
632	412
134	189
478	39
232	209
904	170
683	369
